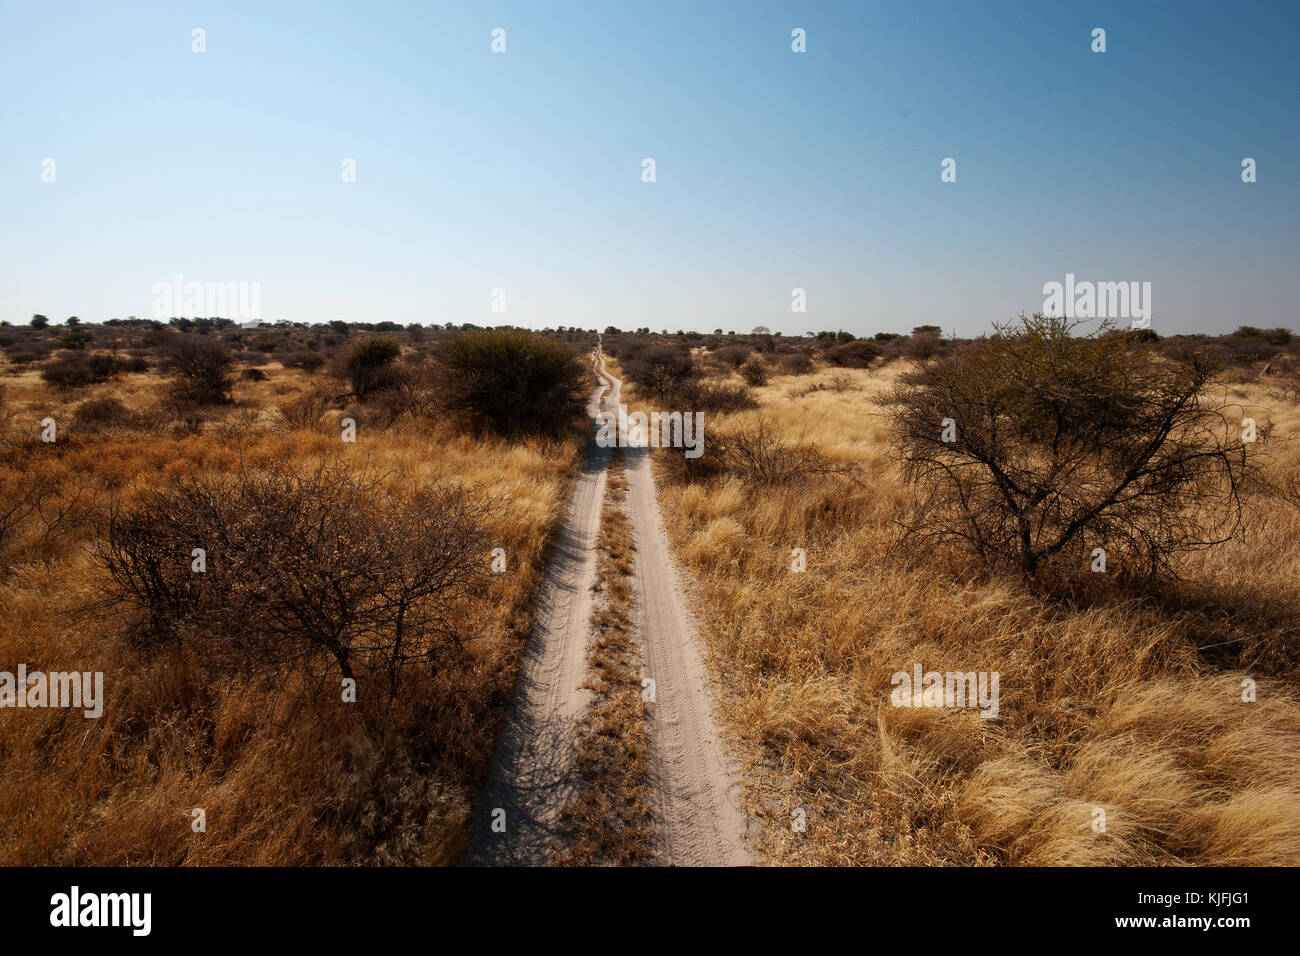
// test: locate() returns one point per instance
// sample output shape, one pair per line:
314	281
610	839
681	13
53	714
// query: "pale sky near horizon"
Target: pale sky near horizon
522	170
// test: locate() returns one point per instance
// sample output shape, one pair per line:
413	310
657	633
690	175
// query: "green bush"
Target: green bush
369	362
76	339
513	381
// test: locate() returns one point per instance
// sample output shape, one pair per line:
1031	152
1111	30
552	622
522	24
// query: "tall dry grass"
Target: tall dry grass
282	767
1126	704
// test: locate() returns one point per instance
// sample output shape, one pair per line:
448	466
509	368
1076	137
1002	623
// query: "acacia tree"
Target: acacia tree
660	369
1036	444
200	370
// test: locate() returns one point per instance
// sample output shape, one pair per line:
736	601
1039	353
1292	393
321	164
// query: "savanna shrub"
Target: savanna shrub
77	370
305	410
696	396
98	414
660	369
754	372
307	361
27	353
300	566
76	339
733	355
856	354
199	367
512	381
369	362
923	346
1036	445
796	363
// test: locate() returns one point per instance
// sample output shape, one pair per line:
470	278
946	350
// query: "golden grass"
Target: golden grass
1128	707
283	769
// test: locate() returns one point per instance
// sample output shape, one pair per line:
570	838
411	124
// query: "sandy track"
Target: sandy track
695	784
529	774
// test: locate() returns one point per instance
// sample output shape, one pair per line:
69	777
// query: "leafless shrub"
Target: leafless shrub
414	390
1283	381
186	418
18	497
307	360
37	509
304	411
240	423
25	354
299	566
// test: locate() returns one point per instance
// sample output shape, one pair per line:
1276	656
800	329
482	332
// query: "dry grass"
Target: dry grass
609	821
1127	704
284	770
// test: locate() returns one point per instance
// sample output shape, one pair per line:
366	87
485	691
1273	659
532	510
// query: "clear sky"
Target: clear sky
774	170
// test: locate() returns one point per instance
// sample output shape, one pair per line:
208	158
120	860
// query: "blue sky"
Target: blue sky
775	170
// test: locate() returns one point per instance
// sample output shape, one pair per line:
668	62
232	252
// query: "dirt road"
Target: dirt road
695	786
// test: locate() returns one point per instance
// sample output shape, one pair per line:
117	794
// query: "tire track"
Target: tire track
695	784
528	779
